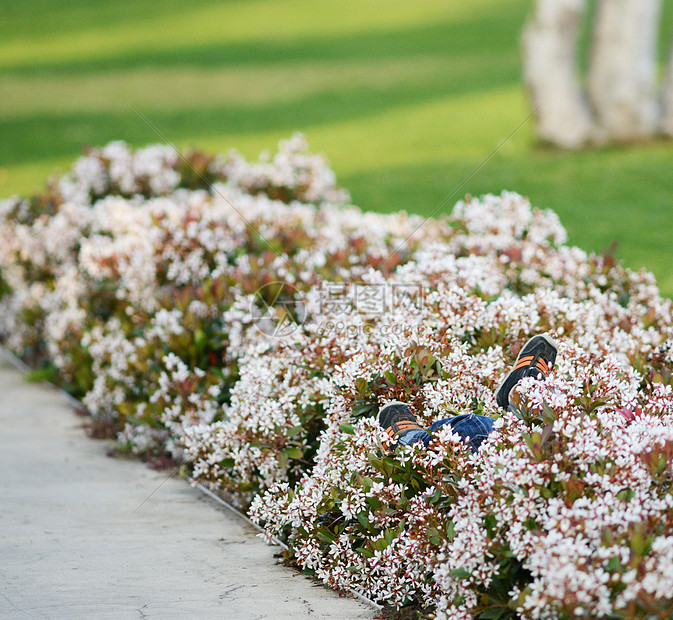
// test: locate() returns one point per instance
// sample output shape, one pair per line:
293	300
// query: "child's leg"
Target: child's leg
472	428
401	425
415	436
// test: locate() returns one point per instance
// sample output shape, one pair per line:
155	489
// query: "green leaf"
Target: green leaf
347	428
368	553
380	544
365	483
361	386
460	573
434	536
638	542
363	518
362	409
389	465
531	524
626	495
294	453
48	372
291	432
613	565
374	502
435	497
375	461
199	339
326	536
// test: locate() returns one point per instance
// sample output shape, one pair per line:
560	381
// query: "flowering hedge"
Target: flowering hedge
246	320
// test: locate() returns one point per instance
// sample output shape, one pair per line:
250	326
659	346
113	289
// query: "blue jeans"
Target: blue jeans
472	428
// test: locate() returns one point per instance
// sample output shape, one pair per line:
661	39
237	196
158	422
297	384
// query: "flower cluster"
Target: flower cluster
245	320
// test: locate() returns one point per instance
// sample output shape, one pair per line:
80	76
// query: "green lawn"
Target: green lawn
405	98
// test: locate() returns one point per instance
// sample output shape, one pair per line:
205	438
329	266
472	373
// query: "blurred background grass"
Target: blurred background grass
406	99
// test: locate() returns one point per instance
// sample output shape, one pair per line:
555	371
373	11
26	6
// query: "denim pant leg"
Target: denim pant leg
414	436
472	428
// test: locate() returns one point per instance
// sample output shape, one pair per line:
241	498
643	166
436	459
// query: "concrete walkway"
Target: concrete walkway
72	547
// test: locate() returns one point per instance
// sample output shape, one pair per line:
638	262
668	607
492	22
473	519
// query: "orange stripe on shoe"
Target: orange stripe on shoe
524	361
543	367
407	424
404	425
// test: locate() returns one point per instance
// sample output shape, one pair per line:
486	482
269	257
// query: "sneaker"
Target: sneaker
397	420
536	359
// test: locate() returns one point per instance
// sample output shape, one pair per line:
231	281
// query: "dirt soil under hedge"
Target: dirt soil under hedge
73	547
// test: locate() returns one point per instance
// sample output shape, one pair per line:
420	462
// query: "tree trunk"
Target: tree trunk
667	100
622	71
549	56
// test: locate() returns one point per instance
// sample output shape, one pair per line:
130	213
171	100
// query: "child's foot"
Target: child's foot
397	420
536	359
